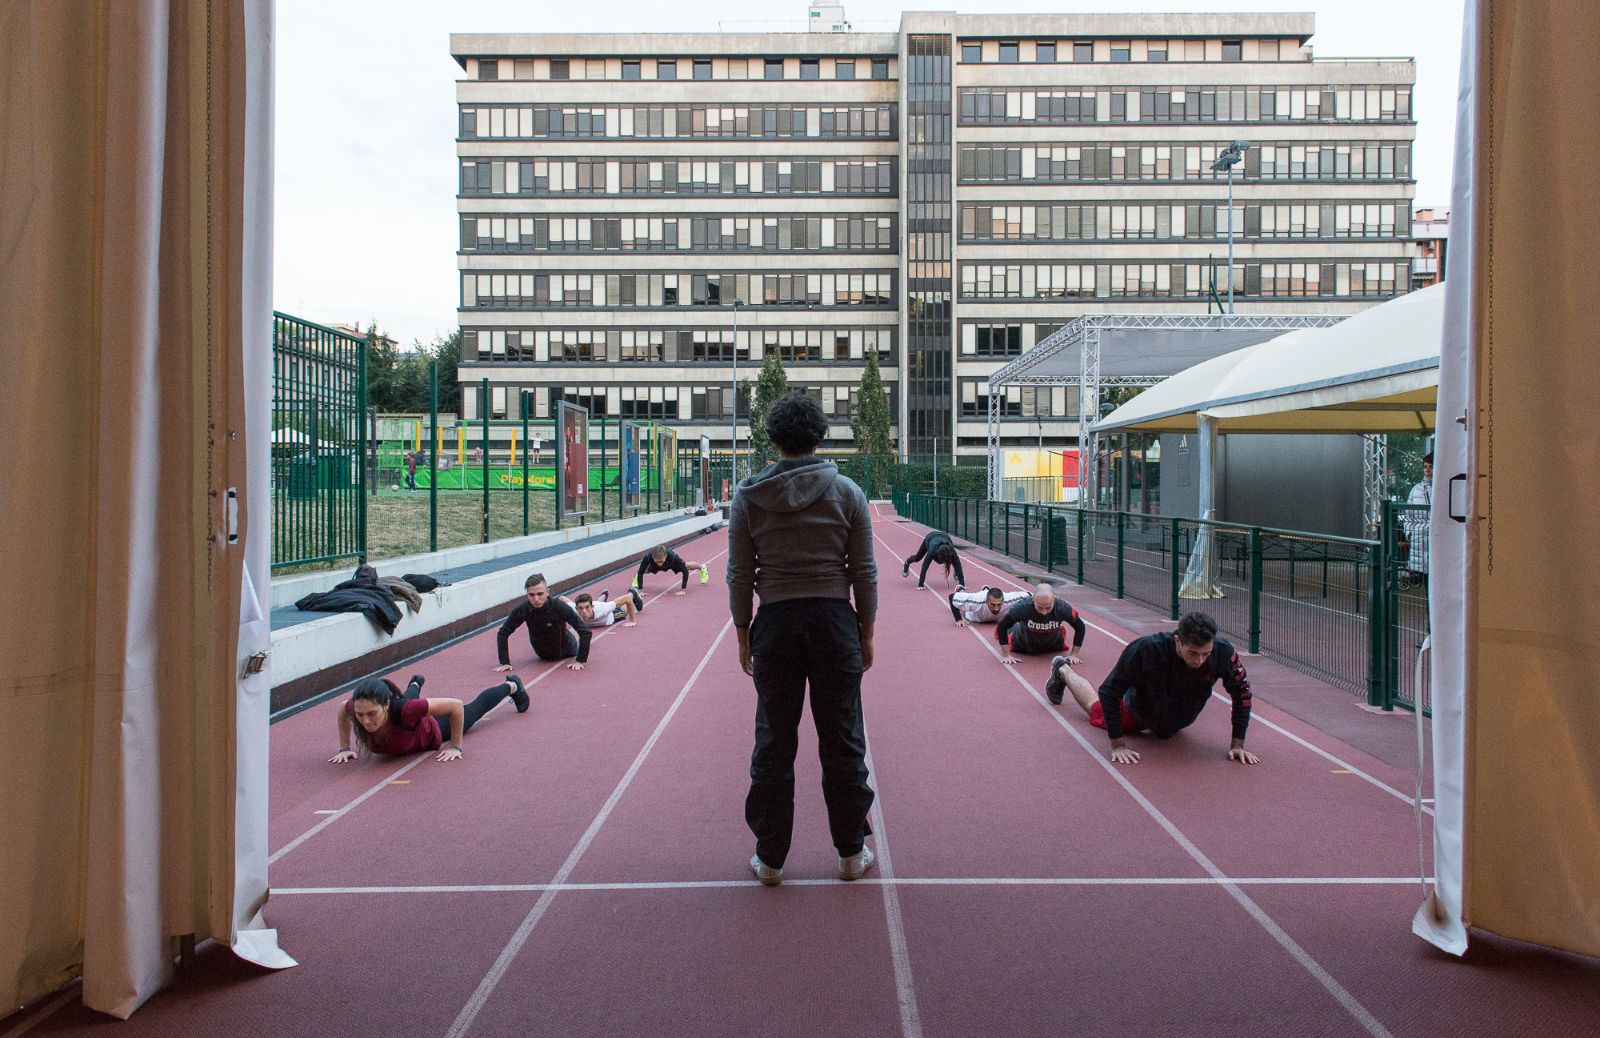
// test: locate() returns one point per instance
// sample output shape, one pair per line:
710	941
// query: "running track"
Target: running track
582	870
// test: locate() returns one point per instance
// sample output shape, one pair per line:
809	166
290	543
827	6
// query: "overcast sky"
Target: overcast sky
366	167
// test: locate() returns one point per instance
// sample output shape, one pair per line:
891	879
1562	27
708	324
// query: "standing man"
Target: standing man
1161	684
800	536
1417	523
555	630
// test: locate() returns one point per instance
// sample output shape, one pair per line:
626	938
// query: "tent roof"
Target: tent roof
1377	372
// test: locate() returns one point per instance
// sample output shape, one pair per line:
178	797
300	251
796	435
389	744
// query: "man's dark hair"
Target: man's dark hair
795	424
1197	629
583	599
533	581
1427	459
993	592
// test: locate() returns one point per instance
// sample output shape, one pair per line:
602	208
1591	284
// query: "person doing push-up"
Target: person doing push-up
983	607
936	547
662	559
603	612
1162	682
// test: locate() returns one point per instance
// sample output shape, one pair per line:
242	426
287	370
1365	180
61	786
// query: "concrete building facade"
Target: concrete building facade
944	196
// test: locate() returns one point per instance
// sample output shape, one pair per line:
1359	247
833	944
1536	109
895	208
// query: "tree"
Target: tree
870	419
771	386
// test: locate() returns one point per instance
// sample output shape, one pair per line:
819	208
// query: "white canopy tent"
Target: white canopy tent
1376	372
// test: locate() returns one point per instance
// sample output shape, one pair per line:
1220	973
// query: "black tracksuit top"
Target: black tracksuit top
1166	692
545	630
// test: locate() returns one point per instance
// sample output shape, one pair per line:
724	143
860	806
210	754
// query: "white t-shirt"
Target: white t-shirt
972	608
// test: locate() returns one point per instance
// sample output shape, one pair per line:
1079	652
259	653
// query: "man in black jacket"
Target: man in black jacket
662	559
1163	681
800	538
548	619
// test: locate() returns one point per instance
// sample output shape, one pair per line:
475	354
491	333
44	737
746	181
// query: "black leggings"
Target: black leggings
487	700
925	553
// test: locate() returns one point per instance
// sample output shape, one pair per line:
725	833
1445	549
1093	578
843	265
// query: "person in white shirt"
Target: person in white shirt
604	613
982	607
1416	523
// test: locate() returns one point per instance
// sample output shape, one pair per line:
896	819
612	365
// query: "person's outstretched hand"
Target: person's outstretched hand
342	757
574	665
504	668
1123	755
1242	755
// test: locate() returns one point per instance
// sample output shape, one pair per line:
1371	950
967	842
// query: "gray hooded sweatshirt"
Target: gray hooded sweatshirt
800	530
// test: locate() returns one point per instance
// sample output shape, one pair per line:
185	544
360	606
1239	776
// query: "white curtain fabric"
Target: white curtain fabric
1515	616
134	250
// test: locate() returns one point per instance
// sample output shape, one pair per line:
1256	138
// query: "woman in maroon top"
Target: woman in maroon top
391	723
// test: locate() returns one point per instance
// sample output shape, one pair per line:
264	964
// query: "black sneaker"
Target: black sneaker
605	596
905	570
417	680
638	600
519	695
1055	683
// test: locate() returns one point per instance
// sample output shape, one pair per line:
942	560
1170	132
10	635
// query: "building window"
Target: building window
702	68
1156	52
1121	51
630	70
844	70
560	68
1083	50
666	70
880	68
810	68
774	68
971	53
1232	50
1045	53
488	70
1009	53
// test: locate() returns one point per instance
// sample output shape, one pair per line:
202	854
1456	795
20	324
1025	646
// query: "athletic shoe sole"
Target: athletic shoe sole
1054	685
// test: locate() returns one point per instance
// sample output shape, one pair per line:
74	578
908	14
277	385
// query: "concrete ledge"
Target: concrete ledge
312	657
286	591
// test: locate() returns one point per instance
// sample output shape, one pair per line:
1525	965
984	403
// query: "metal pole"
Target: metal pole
735	463
1230	237
433	456
526	443
483	404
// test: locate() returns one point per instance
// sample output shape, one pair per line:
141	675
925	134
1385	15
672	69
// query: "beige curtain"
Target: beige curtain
1517	631
134	243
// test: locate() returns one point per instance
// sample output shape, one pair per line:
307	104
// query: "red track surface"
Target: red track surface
1024	887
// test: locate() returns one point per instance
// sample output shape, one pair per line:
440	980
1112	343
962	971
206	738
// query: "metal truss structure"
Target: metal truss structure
1375	458
1084	335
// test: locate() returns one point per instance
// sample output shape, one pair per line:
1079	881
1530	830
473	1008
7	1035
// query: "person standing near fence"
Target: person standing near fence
411	470
800	536
1418	522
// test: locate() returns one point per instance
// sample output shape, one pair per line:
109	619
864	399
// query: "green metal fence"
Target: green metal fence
1329	606
319	466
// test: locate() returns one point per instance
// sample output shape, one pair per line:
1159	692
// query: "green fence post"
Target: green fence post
1081	514
1176	572
433	456
1047	537
1122	527
1377	667
603	472
1255	588
1391	607
1007	510
1025	528
483	410
361	462
527	448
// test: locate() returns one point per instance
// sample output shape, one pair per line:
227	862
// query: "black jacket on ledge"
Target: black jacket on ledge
361	594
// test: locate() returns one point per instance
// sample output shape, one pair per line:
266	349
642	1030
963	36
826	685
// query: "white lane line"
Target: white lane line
1379	783
899	950
497	972
1314	748
335	815
884	881
1348	1001
44	1013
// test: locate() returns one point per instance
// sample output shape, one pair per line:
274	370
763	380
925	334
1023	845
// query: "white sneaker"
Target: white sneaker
769	876
856	866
